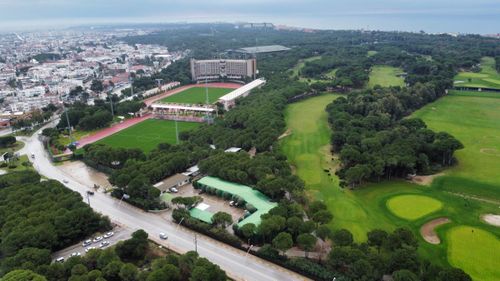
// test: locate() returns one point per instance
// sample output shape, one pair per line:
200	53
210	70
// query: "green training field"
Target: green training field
251	196
488	77
197	95
412	207
475	251
385	76
147	134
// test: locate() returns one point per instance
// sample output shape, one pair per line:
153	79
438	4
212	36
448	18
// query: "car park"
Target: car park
89	248
104	244
86	243
97	239
108	235
163	236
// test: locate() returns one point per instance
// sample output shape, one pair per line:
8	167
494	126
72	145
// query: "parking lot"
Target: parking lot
97	241
215	204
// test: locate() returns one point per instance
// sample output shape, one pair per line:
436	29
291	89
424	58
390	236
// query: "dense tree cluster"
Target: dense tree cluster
130	260
373	140
7	141
37	218
85	117
266	171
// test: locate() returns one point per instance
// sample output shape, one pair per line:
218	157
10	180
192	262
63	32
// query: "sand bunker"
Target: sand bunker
491	219
428	233
425	180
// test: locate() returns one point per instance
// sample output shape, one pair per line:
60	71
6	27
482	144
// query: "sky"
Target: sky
464	16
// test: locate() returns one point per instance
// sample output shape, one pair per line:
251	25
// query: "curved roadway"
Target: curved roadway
236	263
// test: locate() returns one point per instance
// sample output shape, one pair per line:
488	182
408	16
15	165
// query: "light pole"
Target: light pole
196	243
110	96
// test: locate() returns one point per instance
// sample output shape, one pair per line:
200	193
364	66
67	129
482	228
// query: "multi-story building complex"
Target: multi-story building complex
222	69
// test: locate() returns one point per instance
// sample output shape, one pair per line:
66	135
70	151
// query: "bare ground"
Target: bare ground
285	134
428	233
425	180
491	219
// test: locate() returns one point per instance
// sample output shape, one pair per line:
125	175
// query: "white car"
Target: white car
97	239
89	248
163	236
104	244
174	190
75	254
60	259
86	243
108	235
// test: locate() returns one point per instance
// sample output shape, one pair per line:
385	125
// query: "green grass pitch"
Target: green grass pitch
385	76
148	134
196	95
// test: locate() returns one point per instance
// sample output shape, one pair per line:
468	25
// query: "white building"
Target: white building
220	69
229	100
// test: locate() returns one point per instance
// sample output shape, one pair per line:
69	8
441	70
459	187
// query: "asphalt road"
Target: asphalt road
236	263
121	233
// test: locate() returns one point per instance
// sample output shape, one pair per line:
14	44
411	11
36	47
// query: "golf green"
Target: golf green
488	77
197	95
412	207
475	251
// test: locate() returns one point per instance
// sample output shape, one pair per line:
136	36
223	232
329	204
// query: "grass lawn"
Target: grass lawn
15	147
412	207
488	77
475	251
385	76
474	119
147	134
196	95
296	69
371	53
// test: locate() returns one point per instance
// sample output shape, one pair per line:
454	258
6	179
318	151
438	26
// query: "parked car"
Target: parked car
89	192
231	203
86	243
104	244
88	249
97	239
163	236
75	254
174	190
108	235
65	181
60	259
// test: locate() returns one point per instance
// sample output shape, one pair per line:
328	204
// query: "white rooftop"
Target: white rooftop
233	149
243	89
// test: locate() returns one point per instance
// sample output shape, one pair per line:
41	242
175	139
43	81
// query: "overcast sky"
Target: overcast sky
471	16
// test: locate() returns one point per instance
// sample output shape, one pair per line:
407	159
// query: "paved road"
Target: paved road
235	262
121	233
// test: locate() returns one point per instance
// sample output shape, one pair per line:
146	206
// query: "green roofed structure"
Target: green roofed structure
259	201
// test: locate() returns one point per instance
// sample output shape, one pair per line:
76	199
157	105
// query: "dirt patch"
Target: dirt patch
428	233
490	151
425	180
285	134
491	219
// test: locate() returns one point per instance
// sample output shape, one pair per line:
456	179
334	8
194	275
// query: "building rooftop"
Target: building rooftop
262	49
243	89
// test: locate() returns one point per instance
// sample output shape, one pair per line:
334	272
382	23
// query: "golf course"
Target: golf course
487	77
464	193
385	76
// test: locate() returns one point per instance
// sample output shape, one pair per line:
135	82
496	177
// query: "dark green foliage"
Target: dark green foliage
133	249
7	141
39	217
87	117
342	237
124	108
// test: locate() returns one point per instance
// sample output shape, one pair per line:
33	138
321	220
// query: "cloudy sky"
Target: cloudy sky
472	16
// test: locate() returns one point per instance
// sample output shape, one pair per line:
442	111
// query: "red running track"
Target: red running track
130	122
111	130
151	100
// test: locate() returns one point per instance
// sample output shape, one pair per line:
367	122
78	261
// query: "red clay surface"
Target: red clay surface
151	100
130	122
111	130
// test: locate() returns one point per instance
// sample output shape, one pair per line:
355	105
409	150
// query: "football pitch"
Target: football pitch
196	95
148	134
